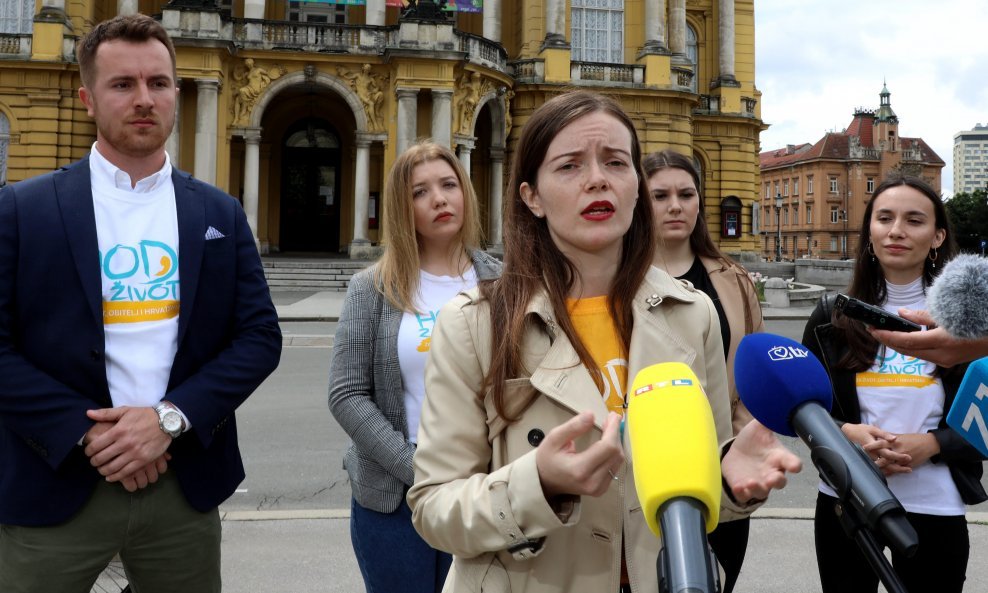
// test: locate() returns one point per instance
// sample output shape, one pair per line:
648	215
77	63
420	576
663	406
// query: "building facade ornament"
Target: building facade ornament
369	86
254	80
469	89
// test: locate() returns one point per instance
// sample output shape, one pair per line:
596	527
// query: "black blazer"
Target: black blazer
963	460
51	342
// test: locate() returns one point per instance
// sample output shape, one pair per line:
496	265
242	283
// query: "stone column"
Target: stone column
252	139
463	150
677	27
375	12
174	143
496	194
555	23
655	25
125	7
254	9
492	20
407	118
361	194
727	40
206	120
442	116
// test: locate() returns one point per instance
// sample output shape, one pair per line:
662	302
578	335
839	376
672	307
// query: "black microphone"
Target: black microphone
958	296
787	389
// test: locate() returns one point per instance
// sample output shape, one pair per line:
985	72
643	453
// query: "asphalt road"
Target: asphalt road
293	448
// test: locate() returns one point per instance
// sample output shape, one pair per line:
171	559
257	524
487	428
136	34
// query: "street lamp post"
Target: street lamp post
778	227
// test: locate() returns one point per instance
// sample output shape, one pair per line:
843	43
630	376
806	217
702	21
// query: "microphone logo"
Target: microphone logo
787	353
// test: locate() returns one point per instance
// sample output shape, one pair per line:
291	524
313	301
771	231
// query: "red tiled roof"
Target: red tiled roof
782	156
862	126
836	146
928	155
831	146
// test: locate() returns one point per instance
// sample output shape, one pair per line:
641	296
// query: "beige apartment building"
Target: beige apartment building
813	195
971	160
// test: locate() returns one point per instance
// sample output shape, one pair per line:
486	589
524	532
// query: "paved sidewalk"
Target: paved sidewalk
310	551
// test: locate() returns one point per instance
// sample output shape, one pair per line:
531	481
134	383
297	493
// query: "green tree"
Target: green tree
968	214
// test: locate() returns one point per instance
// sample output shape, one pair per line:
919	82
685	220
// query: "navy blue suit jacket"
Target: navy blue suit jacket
51	342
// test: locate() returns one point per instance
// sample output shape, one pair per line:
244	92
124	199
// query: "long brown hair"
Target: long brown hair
532	261
700	241
397	272
868	281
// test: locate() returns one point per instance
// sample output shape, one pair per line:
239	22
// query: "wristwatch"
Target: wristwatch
169	419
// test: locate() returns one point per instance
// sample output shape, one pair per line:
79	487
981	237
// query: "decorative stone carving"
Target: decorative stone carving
508	96
370	88
469	89
255	79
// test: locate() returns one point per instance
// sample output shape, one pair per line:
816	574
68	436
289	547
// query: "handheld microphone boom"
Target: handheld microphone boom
676	462
787	389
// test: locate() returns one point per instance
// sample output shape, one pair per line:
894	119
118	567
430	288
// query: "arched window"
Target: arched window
313	137
693	54
4	143
597	31
16	16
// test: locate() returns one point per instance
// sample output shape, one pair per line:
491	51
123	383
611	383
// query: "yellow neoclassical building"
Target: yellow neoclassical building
298	108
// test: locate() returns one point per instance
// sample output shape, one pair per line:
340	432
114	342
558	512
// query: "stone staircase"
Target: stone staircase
312	275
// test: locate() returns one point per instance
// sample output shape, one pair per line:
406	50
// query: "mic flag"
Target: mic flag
774	375
674	447
967	413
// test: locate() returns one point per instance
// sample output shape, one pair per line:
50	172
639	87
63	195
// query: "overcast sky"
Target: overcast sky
819	60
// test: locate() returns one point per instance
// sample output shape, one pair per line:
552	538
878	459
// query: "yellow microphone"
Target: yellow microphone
676	459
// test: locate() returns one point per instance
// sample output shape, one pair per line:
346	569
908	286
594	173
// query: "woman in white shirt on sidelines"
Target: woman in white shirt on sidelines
432	236
894	405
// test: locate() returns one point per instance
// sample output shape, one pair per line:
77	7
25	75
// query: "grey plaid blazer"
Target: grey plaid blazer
365	391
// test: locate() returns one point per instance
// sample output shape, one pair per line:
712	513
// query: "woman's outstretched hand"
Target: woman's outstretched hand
757	463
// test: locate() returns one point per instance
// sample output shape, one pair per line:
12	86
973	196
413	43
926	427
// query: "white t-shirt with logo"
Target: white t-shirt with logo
900	394
415	337
137	231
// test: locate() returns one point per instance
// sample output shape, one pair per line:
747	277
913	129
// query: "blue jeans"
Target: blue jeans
392	557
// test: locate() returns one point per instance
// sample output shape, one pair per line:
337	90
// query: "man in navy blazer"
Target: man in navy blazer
134	320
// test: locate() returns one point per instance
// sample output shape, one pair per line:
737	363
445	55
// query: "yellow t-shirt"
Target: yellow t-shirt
596	329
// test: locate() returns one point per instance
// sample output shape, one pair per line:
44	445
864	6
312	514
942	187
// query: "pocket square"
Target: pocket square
212	233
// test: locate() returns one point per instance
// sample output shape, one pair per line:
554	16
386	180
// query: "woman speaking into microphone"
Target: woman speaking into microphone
521	470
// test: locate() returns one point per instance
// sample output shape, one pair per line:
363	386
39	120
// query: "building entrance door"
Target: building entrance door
310	187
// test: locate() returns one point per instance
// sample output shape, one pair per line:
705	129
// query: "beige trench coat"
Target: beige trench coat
744	316
477	492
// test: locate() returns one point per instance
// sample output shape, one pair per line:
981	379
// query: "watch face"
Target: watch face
171	421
